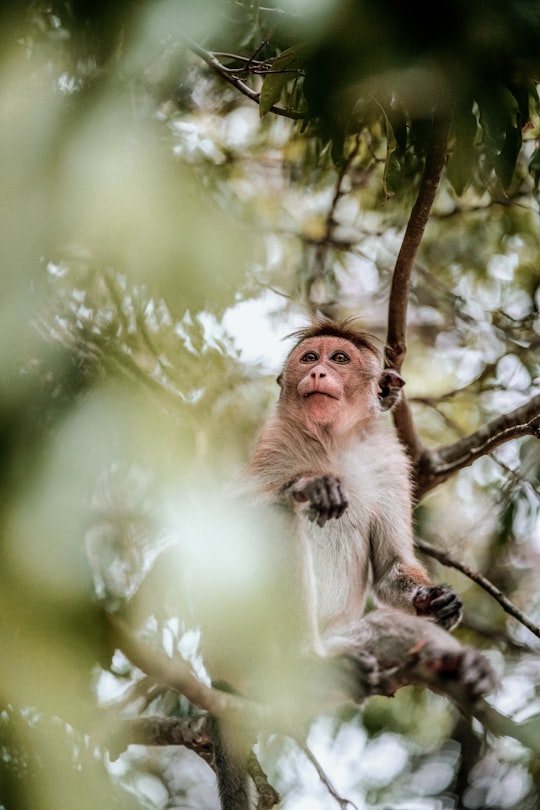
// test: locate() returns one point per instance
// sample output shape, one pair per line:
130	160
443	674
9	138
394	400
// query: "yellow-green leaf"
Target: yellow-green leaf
392	166
281	70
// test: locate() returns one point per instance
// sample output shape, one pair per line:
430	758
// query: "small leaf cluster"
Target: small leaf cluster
376	66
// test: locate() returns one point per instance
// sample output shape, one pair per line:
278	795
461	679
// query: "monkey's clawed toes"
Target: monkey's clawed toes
350	676
469	667
356	675
440	603
325	497
476	674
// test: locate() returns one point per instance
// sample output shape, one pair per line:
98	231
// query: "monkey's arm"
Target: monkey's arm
292	468
400	581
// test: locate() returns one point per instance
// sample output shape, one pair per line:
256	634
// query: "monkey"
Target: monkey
327	455
328	461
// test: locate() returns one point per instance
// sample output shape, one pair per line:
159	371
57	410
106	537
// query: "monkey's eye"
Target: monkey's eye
340	357
309	357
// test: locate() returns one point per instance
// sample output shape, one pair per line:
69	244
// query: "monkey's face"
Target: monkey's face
330	381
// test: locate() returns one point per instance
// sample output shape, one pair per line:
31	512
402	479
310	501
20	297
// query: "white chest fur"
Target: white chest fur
374	472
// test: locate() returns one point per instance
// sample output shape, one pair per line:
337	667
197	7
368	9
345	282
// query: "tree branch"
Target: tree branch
482	581
213	62
175	673
396	339
190	732
396	345
435	466
527	732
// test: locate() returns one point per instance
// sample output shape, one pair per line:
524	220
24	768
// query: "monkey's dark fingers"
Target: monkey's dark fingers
450	616
337	497
447	608
316	515
326	498
320	507
332	501
439	602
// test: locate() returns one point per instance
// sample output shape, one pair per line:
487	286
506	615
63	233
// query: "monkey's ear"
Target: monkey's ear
389	388
279	381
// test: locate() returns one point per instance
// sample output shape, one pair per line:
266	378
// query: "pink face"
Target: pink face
327	375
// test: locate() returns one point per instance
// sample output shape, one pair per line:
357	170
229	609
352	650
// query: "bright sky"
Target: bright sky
258	327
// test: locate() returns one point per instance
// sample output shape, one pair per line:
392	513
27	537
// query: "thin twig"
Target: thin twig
268	10
482	581
343	803
212	61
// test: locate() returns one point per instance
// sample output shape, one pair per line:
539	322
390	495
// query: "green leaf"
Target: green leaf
498	109
534	167
272	88
392	166
281	70
534	100
505	163
392	175
464	155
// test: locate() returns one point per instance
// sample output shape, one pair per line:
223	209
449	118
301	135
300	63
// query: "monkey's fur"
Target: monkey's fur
337	467
327	454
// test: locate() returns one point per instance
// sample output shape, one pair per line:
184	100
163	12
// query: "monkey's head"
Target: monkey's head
333	377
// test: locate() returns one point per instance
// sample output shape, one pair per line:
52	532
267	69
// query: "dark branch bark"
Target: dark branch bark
435	466
190	732
177	674
396	339
480	580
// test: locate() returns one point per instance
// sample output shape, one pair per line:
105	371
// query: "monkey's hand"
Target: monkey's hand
324	495
440	603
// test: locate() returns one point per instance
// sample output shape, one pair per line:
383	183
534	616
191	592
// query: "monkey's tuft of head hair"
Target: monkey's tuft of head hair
343	329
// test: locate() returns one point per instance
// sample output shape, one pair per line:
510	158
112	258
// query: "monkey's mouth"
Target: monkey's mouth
321	393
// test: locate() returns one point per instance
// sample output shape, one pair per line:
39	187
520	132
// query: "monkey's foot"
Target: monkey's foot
469	668
356	675
440	603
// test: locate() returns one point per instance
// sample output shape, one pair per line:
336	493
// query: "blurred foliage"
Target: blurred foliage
158	231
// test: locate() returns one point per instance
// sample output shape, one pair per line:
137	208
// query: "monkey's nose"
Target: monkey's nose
318	372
